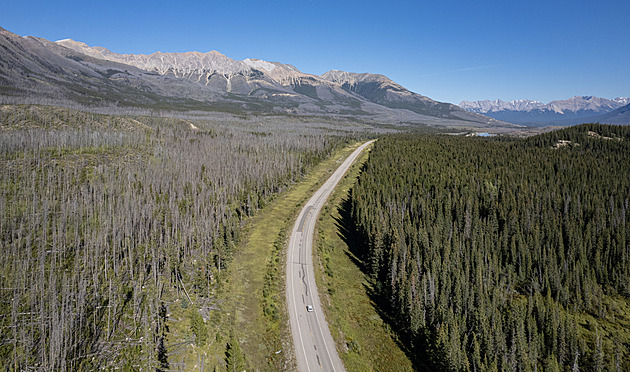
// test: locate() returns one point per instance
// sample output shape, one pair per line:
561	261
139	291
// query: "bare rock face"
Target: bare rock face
39	70
202	67
179	64
381	90
212	68
374	87
193	65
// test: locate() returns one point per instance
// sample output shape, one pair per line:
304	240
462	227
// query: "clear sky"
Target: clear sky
447	50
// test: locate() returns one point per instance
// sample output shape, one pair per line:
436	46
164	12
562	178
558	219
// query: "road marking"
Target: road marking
303	244
325	344
306	213
300	331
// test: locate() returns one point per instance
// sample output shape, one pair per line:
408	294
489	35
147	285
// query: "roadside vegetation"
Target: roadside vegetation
253	294
364	339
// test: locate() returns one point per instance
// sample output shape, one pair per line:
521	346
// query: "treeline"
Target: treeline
494	254
104	220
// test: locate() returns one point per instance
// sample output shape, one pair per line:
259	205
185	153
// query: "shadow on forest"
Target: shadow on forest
349	233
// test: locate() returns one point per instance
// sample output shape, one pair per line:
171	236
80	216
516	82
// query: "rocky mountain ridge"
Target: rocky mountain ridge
618	116
196	66
573	110
36	70
255	77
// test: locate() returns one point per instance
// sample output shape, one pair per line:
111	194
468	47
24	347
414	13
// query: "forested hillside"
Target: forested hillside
105	221
498	254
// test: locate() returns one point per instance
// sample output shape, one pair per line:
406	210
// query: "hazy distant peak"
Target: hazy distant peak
486	106
622	100
573	103
527	111
584	103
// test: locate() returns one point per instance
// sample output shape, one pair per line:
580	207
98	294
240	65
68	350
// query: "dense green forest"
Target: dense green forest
501	254
106	221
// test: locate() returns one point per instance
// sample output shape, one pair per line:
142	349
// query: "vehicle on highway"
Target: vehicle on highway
309	308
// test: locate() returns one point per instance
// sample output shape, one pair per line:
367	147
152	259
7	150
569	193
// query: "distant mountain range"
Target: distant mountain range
574	110
618	116
37	70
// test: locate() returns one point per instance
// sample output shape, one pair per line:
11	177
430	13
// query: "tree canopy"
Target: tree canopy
489	253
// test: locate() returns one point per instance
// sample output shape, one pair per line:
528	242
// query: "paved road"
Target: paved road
314	346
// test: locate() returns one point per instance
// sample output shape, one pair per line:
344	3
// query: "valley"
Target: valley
187	211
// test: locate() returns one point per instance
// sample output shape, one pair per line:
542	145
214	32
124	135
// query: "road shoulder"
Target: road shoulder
267	342
363	339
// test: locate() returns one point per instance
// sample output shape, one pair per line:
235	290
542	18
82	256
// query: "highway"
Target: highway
314	346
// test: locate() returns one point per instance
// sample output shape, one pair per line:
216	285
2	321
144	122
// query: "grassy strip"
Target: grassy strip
613	331
252	292
249	307
364	340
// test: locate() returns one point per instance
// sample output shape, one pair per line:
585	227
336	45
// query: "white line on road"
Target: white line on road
321	357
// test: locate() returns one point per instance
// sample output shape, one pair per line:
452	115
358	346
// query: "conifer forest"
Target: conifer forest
494	254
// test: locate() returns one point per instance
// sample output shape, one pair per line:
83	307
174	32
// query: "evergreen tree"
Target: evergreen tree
234	357
503	241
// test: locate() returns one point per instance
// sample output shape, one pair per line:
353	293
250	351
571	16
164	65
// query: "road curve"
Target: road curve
314	346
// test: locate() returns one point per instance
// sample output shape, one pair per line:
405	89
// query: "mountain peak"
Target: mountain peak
104	53
259	64
622	100
338	76
526	111
73	44
71	70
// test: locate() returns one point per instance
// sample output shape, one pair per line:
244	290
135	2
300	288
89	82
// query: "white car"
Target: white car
309	308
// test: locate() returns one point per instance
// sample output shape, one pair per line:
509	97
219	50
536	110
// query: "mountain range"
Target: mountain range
574	110
36	70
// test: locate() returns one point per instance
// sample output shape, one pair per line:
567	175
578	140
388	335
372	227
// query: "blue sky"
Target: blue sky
447	50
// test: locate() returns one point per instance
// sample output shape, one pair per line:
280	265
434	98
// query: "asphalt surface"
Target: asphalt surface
314	346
